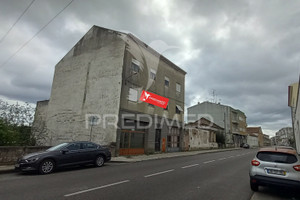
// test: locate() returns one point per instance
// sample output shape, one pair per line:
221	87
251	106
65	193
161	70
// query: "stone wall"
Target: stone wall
10	154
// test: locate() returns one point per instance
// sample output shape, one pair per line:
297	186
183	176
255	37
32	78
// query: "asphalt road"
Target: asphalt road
222	175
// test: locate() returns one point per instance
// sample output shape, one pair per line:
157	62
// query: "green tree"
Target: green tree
15	124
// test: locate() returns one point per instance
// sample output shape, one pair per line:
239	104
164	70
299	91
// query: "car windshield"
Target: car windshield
57	147
277	157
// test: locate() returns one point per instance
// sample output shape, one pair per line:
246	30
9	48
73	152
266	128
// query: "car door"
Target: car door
88	151
71	154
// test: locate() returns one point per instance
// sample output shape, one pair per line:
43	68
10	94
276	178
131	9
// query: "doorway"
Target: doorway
157	139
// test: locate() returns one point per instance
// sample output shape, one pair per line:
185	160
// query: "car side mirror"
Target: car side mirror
64	151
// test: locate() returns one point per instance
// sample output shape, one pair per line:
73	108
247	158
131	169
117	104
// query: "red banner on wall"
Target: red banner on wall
154	99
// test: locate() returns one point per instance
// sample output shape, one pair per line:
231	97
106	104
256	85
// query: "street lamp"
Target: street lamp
93	121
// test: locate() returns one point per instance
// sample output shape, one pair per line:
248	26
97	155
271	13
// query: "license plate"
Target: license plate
276	172
17	165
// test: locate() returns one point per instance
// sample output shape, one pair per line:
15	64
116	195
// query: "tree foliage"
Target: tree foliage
15	124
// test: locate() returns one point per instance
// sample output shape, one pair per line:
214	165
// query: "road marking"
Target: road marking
222	158
230	156
209	161
96	188
158	173
238	155
188	166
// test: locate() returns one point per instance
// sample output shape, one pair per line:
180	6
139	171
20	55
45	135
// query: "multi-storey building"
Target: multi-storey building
294	103
232	120
257	131
285	137
96	94
267	140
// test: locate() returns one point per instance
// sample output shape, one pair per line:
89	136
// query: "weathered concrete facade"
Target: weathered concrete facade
96	84
86	81
39	127
201	134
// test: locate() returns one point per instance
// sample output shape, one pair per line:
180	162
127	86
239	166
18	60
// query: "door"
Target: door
132	142
88	152
157	139
70	155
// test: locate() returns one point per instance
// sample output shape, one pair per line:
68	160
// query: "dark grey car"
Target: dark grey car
62	155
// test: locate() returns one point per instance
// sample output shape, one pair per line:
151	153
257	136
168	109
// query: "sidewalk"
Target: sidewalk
6	169
165	155
128	159
263	196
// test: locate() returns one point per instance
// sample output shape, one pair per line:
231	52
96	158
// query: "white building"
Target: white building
252	140
294	103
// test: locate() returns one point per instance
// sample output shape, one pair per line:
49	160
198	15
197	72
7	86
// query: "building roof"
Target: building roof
254	130
220	105
253	134
204	123
147	47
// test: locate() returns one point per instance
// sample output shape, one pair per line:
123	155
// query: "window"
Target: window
178	109
135	65
74	146
277	157
88	146
167	81
133	95
178	87
152	74
132	139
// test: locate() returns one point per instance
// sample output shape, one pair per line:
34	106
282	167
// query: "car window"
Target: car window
58	147
88	145
277	157
74	146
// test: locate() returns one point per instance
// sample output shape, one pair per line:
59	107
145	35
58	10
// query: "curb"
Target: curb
8	170
169	155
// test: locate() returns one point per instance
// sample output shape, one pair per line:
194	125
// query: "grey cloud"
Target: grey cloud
250	68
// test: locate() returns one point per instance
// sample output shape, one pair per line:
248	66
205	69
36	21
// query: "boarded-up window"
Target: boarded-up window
132	96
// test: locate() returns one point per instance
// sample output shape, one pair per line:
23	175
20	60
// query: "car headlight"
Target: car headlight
30	160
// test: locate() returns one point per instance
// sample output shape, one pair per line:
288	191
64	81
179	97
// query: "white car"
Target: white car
275	166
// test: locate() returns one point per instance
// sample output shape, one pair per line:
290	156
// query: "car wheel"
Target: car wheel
46	166
254	187
99	161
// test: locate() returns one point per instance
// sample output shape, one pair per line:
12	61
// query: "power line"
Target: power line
28	41
16	21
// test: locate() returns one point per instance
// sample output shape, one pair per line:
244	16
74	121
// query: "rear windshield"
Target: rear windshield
277	157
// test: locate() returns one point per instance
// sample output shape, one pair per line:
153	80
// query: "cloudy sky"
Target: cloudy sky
247	52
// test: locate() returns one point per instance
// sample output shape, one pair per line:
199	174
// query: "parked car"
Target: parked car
246	146
62	155
242	144
275	166
286	147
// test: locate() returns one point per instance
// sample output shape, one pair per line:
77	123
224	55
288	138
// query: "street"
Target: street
222	175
